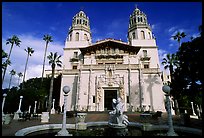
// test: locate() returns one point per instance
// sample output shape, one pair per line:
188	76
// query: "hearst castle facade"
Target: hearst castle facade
98	72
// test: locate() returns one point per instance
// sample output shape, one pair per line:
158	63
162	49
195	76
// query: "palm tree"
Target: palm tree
29	51
178	37
20	74
5	64
53	61
14	40
4	54
170	61
12	72
47	38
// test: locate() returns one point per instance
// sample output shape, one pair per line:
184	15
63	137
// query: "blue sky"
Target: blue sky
31	20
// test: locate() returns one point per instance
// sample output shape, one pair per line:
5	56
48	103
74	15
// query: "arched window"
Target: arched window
142	35
133	35
145	53
77	36
70	37
85	37
141	19
77	21
138	19
149	35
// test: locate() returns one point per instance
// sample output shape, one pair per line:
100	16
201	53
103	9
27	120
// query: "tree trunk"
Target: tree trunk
25	68
51	90
44	61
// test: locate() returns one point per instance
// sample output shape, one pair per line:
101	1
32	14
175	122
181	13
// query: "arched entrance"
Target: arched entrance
108	96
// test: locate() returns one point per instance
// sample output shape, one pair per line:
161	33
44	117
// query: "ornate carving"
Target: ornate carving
99	94
121	90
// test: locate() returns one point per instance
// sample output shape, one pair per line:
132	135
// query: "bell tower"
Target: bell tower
139	31
79	34
140	35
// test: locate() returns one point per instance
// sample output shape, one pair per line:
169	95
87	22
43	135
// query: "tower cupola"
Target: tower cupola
138	19
80	21
80	30
139	31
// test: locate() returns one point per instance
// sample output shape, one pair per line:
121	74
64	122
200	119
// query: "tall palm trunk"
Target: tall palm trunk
51	88
44	61
25	68
4	72
10	81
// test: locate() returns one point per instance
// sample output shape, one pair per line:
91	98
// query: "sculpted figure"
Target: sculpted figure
116	116
99	94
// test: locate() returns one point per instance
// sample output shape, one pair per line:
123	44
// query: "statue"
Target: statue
117	118
121	91
99	94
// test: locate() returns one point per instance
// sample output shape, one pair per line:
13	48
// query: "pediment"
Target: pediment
108	44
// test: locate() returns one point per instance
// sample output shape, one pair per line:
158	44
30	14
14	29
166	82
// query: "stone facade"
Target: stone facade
98	72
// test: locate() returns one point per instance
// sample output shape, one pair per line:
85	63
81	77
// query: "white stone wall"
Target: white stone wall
134	90
143	42
151	52
71	81
153	94
76	44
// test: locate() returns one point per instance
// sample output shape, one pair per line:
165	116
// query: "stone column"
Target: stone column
4	97
53	107
29	109
193	108
35	108
19	107
81	125
171	131
3	115
63	131
16	114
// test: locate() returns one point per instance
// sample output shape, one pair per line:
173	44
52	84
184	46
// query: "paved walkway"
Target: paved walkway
15	125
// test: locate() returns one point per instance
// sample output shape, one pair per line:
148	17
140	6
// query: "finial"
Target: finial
135	6
81	8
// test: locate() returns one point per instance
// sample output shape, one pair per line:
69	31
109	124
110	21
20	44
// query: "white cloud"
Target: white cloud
94	31
18	57
171	29
153	26
171	45
196	35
